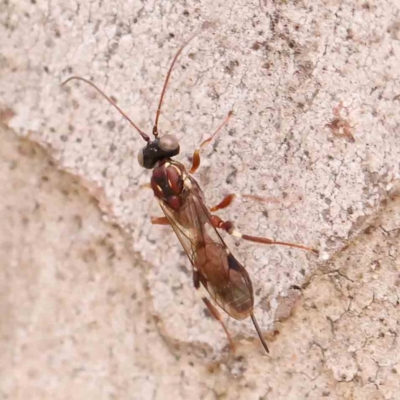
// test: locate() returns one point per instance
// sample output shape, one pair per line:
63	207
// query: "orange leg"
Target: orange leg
196	154
229	227
215	313
159	221
228	200
197	278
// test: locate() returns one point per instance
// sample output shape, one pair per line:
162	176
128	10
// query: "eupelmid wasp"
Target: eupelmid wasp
183	203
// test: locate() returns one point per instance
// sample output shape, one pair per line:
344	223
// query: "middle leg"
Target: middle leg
159	220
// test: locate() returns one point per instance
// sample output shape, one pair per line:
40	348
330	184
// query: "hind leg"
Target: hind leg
197	279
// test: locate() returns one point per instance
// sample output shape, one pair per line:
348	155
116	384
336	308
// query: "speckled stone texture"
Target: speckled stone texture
98	303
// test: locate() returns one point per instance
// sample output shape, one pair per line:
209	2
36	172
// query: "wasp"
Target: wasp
197	228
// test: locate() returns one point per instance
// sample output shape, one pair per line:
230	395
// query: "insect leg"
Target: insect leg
229	227
215	313
196	154
159	221
197	278
227	200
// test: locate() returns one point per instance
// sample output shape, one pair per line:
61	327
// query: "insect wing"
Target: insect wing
226	280
188	225
235	297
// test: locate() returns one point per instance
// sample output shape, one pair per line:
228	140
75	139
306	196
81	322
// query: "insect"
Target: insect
183	204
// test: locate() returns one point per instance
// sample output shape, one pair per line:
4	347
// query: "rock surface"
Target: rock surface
96	302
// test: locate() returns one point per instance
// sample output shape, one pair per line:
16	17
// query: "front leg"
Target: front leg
228	200
196	154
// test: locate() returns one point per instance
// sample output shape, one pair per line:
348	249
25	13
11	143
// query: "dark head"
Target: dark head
160	148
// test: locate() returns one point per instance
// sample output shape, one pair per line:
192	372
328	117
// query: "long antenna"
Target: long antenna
155	128
253	318
112	102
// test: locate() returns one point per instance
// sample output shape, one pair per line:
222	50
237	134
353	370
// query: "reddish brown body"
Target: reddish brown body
167	183
215	267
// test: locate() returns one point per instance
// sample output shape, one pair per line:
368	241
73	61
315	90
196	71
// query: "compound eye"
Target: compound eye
168	143
140	158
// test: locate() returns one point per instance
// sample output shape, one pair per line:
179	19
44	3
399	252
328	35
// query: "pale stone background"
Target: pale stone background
100	304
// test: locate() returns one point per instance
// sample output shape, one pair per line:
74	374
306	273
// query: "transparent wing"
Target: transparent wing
225	279
187	224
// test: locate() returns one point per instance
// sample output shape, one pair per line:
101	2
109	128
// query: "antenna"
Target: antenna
112	102
155	128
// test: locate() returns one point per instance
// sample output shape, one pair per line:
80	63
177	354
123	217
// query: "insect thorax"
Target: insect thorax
167	182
